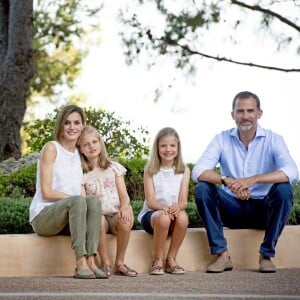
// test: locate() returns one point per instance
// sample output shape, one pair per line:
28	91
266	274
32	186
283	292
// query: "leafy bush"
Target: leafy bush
14	215
134	177
19	184
120	138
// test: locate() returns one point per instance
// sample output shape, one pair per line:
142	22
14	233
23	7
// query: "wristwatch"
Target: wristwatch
223	180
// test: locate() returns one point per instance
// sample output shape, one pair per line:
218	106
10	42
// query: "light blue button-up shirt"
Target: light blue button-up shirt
266	153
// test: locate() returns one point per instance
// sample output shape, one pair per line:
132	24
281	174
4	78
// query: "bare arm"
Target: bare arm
125	212
122	192
184	189
174	209
210	176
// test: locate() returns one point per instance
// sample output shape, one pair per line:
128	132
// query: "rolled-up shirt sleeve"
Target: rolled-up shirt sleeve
283	160
209	159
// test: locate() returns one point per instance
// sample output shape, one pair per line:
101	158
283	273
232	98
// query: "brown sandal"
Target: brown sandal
124	270
157	270
175	269
106	269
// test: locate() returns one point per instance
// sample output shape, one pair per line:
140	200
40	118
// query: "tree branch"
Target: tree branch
249	64
268	12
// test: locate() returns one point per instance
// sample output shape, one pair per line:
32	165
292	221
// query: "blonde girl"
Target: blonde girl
104	178
166	183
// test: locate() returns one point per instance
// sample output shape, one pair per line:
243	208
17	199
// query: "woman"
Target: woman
58	201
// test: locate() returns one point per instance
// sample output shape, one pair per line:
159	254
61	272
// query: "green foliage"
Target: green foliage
134	177
137	207
58	33
185	32
19	184
295	214
14	215
4	182
121	139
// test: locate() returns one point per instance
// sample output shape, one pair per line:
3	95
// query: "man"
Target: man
256	176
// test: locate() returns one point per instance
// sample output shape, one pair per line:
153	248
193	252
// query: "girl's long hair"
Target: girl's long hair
154	162
103	160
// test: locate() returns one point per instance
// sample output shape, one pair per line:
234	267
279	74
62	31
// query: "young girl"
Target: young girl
105	178
166	183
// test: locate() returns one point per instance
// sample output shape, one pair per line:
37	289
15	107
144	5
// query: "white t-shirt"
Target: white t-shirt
102	183
67	178
166	187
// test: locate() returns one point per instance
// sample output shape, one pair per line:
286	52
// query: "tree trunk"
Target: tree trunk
16	70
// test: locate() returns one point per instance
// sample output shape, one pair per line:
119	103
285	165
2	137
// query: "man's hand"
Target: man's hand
240	187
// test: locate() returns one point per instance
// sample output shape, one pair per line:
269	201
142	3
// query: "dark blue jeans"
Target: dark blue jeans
217	208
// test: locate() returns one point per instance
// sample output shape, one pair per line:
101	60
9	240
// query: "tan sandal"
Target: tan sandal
175	269
157	270
126	271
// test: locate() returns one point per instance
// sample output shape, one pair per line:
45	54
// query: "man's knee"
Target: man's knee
282	191
202	189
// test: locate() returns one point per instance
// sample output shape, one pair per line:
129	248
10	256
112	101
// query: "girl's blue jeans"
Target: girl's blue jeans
218	208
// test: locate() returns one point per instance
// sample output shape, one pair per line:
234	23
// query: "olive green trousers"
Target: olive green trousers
83	214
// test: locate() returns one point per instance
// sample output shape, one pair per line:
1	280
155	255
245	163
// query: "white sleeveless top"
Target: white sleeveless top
166	187
67	178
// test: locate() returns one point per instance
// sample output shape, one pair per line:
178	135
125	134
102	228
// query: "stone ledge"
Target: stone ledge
32	255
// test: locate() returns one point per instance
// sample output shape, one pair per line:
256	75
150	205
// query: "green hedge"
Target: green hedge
14	214
22	183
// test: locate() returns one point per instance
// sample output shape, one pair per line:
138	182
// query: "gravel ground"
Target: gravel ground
237	284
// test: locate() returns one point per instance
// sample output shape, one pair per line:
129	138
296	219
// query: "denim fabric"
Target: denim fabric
83	216
146	221
217	208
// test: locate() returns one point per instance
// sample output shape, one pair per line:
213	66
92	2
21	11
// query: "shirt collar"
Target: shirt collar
259	132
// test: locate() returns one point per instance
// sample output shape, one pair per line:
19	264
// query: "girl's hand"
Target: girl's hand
126	215
173	211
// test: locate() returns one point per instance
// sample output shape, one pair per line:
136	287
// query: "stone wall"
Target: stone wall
11	165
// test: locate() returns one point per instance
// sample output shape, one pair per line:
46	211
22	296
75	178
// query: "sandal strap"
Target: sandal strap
176	268
154	268
127	269
171	259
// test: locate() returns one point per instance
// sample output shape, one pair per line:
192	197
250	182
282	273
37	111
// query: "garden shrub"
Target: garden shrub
134	177
22	182
14	215
121	139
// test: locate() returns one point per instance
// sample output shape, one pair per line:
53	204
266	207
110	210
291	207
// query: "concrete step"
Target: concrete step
32	255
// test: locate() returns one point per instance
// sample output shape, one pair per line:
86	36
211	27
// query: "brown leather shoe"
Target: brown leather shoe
220	265
266	265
